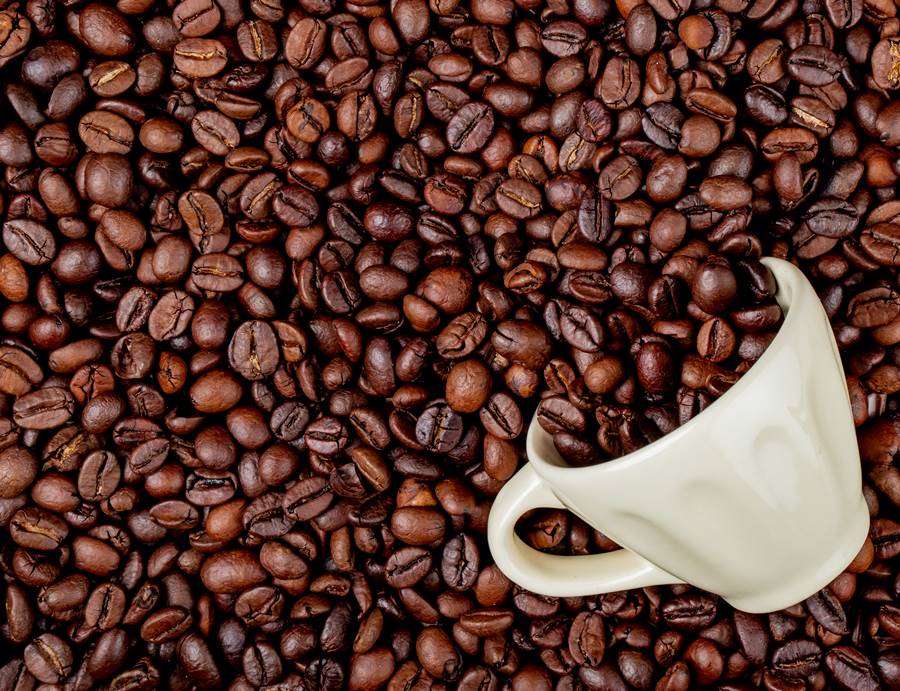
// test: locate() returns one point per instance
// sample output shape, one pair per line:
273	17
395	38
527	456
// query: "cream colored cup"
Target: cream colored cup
758	498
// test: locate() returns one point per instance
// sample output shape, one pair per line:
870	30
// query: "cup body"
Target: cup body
757	499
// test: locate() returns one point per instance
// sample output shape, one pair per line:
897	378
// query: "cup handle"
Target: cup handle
548	574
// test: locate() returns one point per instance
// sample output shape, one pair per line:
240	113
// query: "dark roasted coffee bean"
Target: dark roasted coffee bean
307	499
620	178
851	668
662	125
44	409
48	658
766	105
813	65
18	469
29	241
37	529
690	612
519	198
407	567
797	659
439	428
587	639
470	127
253	350
200	57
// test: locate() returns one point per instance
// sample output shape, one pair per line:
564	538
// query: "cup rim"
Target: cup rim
791	286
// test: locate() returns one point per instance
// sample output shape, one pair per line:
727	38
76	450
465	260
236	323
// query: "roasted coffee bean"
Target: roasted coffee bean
827	611
99	476
253	350
407	566
470	127
851	668
813	65
587	639
519	198
620	178
690	612
797	659
48	658
439	428
766	105
306	499
37	529
44	409
18	469
29	241
200	57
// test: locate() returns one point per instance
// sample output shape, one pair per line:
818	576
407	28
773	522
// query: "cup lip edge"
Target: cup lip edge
790	275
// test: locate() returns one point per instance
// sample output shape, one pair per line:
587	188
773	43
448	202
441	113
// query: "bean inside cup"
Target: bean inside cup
664	351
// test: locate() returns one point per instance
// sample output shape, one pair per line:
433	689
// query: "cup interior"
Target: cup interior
790	282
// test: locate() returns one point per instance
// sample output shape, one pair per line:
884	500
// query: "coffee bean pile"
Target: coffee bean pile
283	283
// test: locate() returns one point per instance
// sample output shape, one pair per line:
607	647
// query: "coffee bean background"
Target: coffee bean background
282	285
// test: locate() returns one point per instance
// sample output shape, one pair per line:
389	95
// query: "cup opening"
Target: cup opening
539	444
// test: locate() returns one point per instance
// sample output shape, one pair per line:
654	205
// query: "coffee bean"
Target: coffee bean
18	371
587	639
827	610
18	469
470	127
439	428
797	659
725	193
620	178
813	65
831	217
327	436
407	566
850	668
880	242
44	409
99	476
519	198
29	241
766	105
307	499
294	205
437	654
253	350
37	529
418	525
215	132
655	367
48	658
200	57
306	42
217	273
620	83
308	119
689	613
662	125
714	286
196	17
231	571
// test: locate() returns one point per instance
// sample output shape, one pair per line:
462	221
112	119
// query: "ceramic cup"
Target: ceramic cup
758	498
